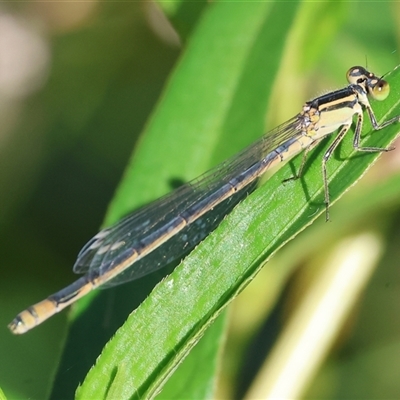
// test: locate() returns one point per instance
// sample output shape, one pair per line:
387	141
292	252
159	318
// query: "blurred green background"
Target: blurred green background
78	82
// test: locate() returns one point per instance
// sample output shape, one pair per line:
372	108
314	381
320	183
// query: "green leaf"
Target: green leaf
161	332
219	91
188	301
2	395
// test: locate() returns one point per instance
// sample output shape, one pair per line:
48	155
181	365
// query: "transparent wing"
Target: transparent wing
115	244
179	244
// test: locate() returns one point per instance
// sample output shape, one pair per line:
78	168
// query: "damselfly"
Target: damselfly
163	231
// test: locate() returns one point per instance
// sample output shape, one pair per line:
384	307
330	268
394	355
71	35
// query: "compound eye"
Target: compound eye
356	75
379	89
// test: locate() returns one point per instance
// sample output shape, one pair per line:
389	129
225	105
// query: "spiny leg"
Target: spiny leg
303	161
374	122
325	158
357	132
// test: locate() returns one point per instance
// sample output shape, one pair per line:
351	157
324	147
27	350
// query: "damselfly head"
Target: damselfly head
375	86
